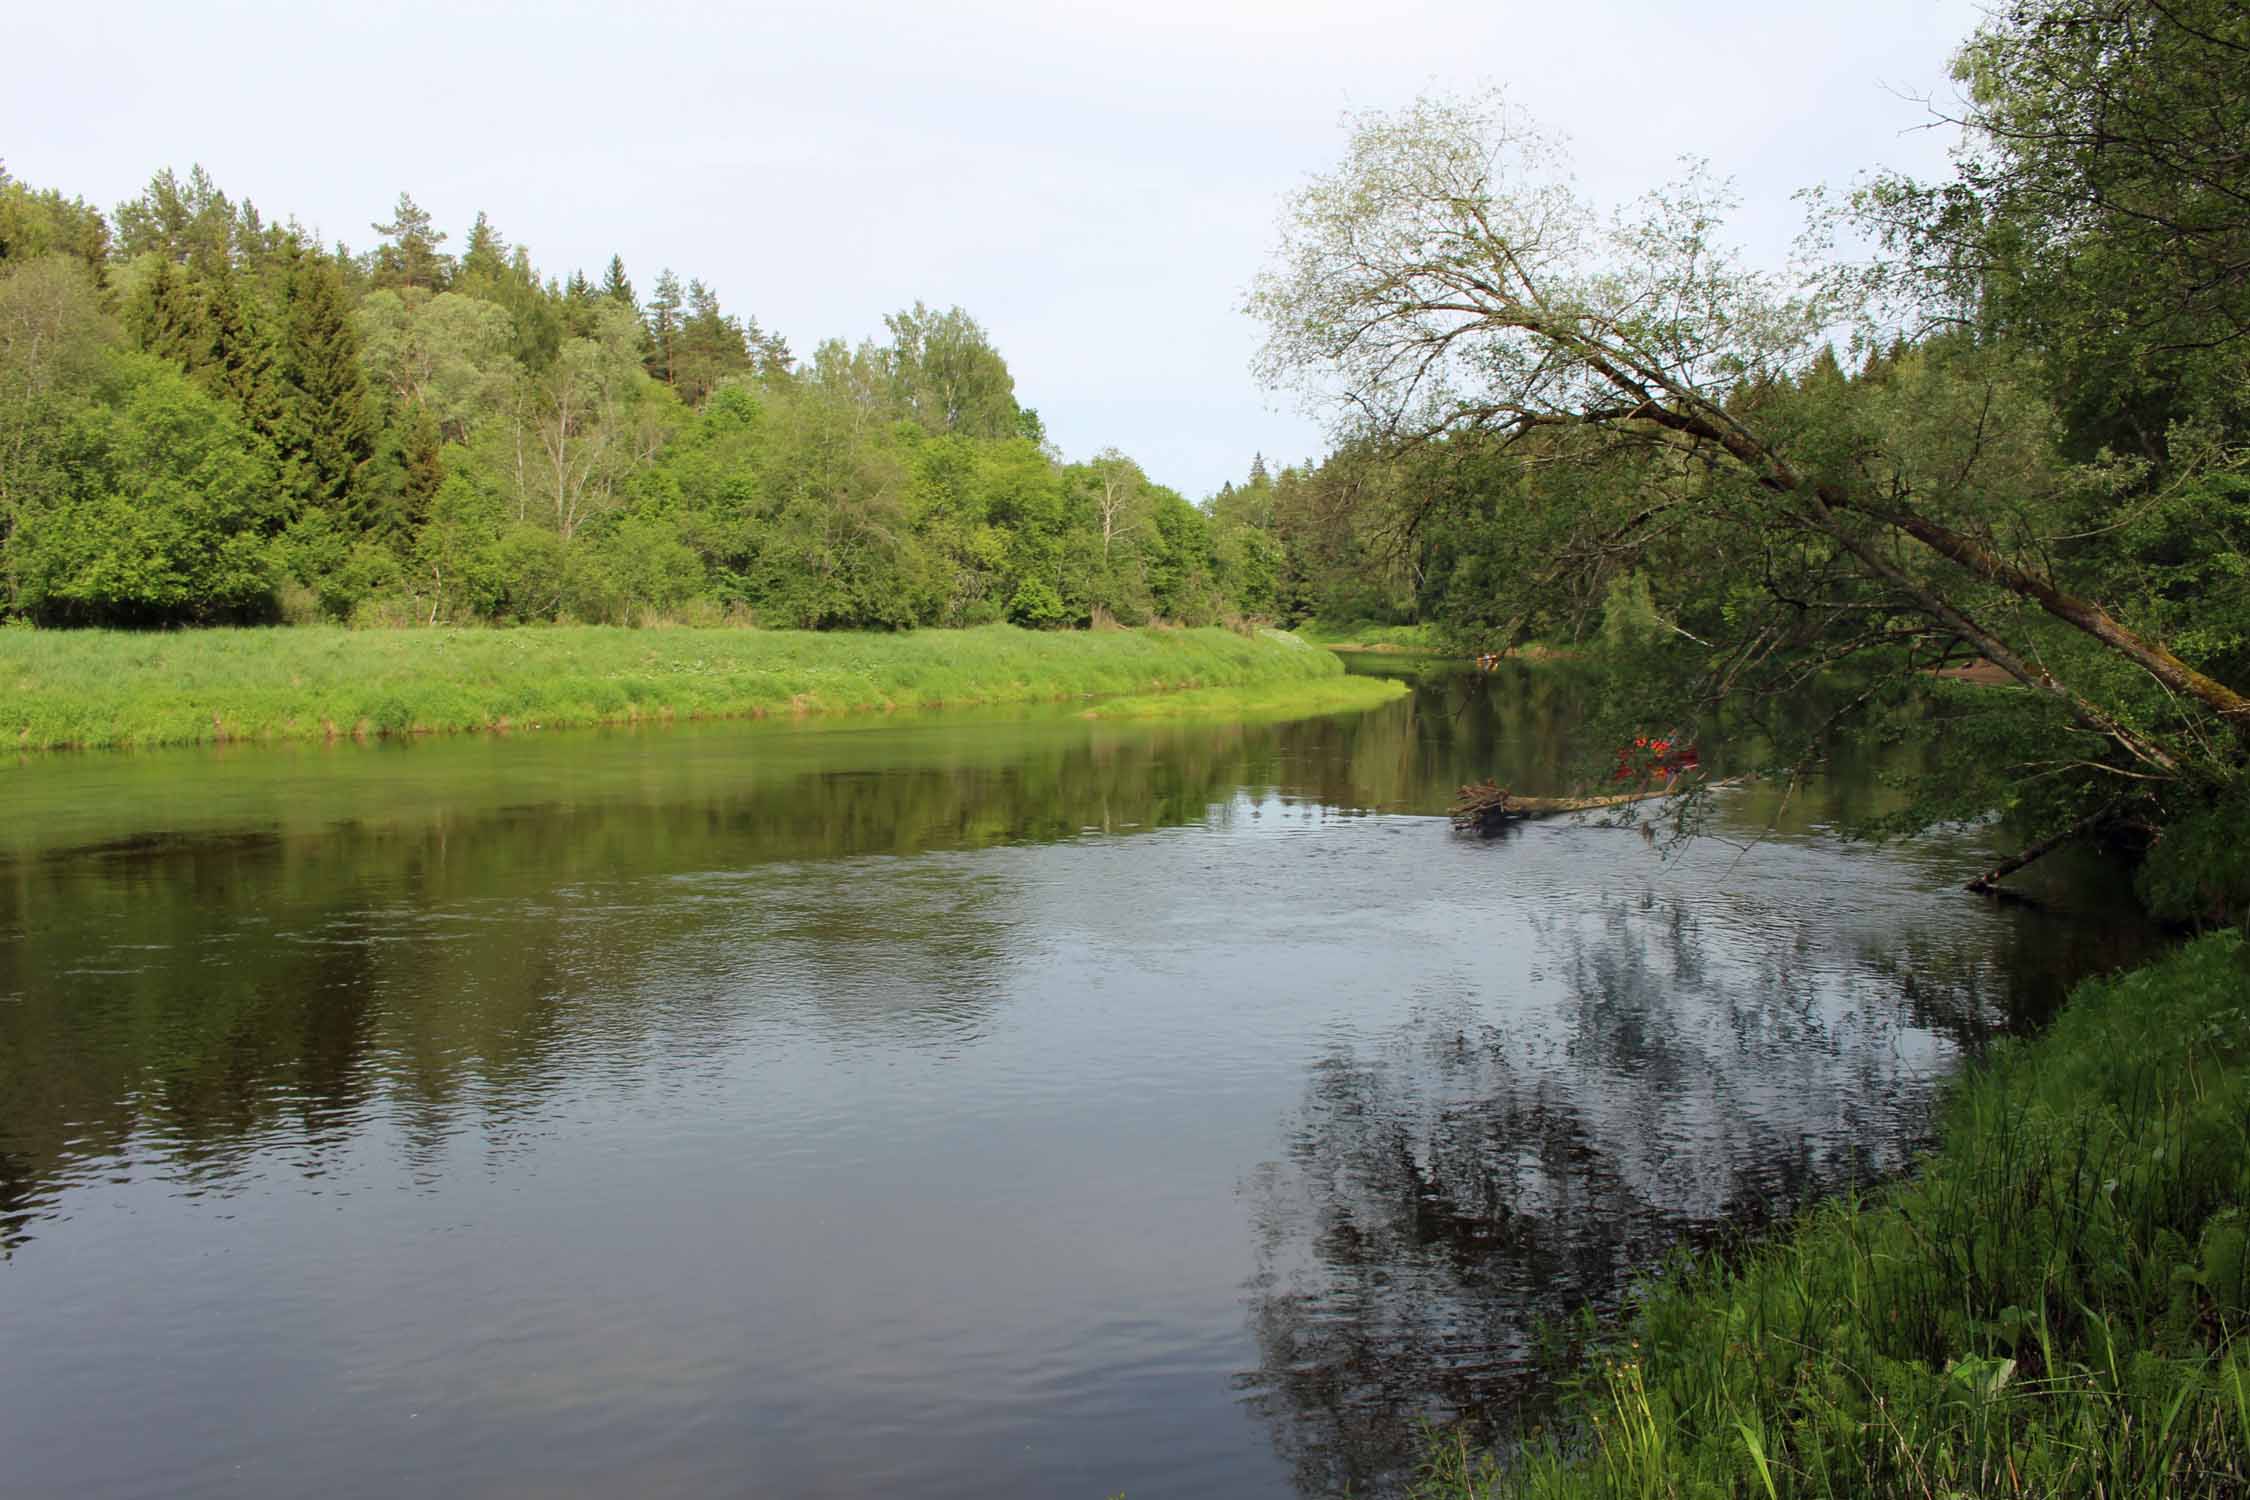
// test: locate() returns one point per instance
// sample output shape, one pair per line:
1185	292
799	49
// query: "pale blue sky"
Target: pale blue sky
1096	183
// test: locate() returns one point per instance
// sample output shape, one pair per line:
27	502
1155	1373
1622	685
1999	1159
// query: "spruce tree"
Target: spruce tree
166	318
329	429
617	286
484	265
579	300
421	450
710	346
531	308
237	361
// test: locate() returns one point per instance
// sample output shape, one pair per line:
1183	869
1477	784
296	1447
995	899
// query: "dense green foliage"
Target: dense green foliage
204	418
94	687
1578	427
2056	1303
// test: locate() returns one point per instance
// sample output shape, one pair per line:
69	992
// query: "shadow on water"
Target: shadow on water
193	994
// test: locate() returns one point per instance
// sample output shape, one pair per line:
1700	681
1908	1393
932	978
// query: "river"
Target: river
960	1106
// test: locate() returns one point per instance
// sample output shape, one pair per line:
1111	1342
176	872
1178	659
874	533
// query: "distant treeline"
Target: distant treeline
205	417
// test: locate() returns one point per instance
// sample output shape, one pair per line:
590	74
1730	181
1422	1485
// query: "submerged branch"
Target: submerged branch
1988	884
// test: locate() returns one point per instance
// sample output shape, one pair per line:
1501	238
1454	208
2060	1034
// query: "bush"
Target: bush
1036	604
639	567
167	515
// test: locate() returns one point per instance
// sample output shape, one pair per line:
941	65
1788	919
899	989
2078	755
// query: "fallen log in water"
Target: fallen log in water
1486	807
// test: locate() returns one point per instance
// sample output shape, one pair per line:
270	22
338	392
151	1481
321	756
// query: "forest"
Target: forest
207	418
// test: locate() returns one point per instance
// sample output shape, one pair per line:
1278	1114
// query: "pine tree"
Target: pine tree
411	259
329	430
1259	478
616	286
188	223
769	352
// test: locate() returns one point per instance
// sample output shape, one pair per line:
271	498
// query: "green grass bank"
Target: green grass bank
83	689
1332	695
2056	1303
1366	635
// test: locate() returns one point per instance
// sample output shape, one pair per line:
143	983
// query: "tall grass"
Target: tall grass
105	688
2057	1303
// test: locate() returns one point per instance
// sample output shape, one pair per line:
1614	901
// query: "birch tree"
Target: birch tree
584	424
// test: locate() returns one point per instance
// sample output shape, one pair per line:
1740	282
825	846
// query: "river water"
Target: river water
963	1106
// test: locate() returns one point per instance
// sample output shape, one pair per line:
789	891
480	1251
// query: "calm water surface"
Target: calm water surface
961	1106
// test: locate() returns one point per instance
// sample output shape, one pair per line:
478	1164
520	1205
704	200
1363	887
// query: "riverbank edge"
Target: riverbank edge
1348	694
1368	636
77	690
2056	1301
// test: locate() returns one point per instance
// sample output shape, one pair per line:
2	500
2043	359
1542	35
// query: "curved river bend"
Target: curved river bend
961	1106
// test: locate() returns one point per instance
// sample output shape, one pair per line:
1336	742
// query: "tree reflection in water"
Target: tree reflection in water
1666	1068
190	1005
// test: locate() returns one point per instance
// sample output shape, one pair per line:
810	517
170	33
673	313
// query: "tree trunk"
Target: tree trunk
1988	883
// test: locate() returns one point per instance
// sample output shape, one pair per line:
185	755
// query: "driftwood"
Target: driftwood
1486	807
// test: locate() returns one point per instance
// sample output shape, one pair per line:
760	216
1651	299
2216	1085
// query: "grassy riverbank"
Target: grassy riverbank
63	689
1366	635
1326	696
2058	1303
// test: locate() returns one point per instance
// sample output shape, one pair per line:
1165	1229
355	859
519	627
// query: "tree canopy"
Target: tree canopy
1608	408
401	436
